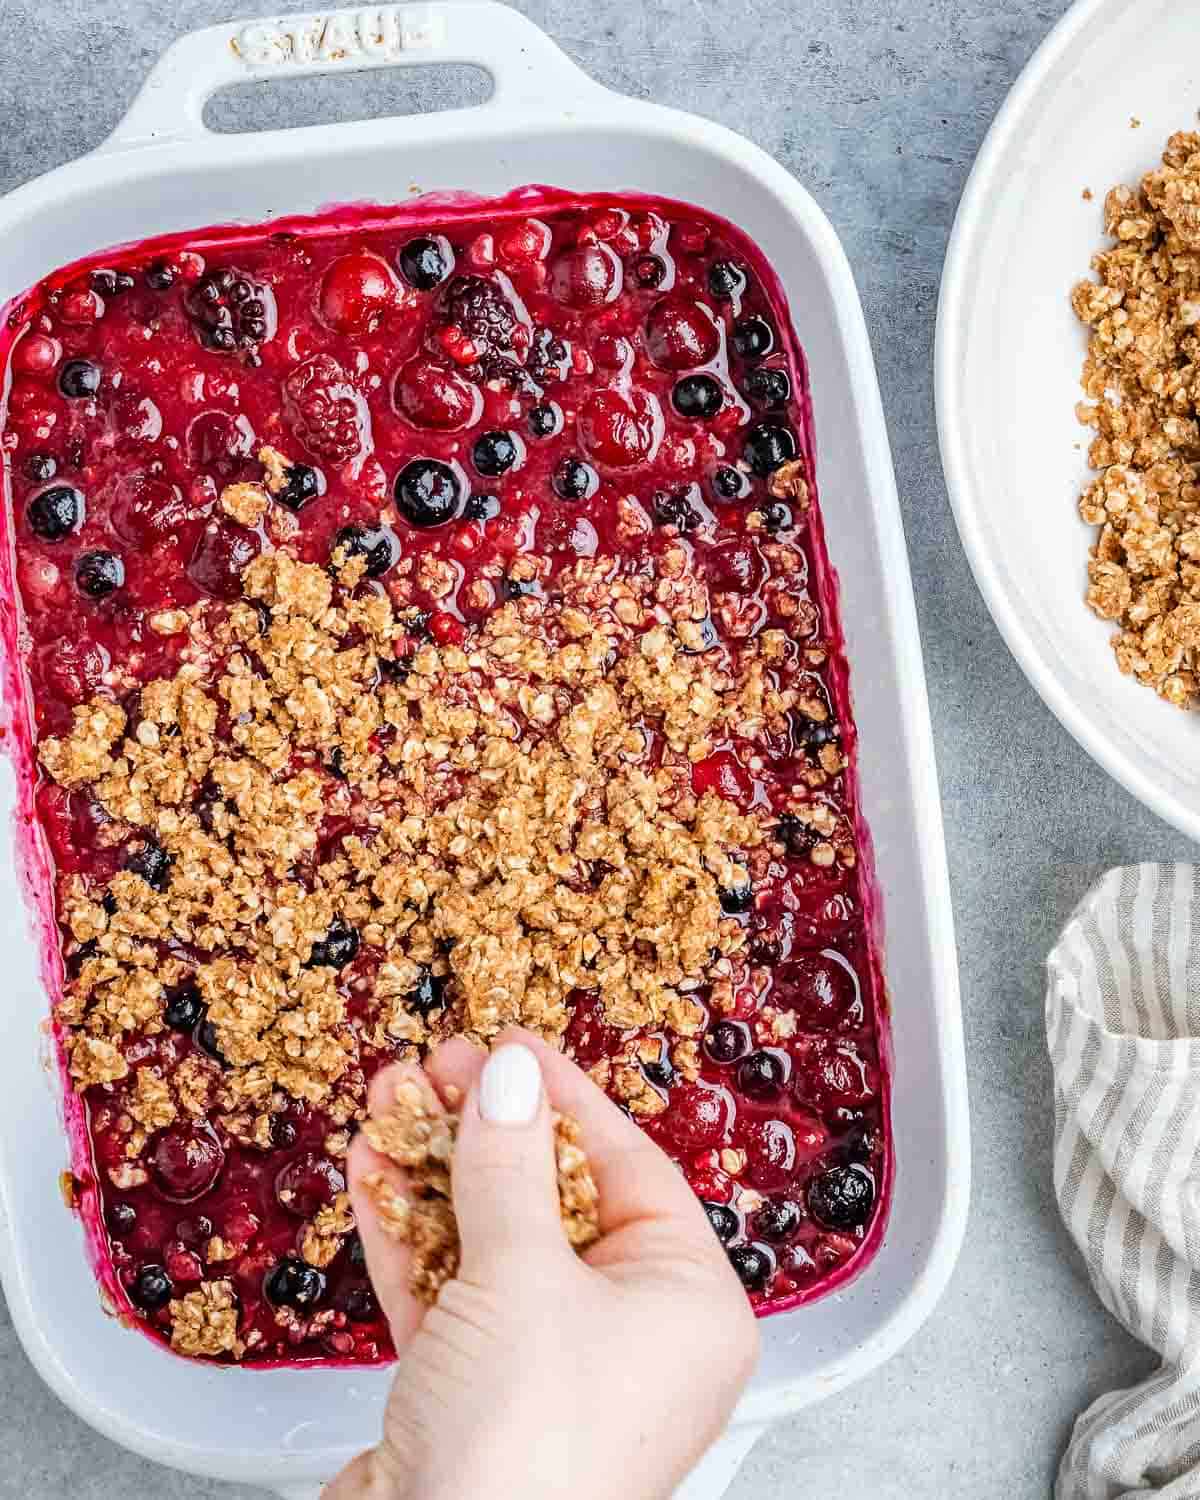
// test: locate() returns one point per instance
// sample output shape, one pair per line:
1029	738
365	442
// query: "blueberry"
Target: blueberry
335	765
302	483
761	1075
40	466
659	1070
294	1283
754	1264
427	492
184	1007
796	837
726	1041
152	863
416	624
121	1219
545	419
729	483
494	454
777	1220
355	1253
697	396
776	518
726	280
737	899
811	734
517	588
481	507
79	379
110	283
206	1040
75	961
152	1288
98	574
575	480
283	1132
723	1219
378	544
109	902
336	949
359	1305
842	1197
159	276
769	388
425	263
753	338
429	995
767	447
56	512
649	270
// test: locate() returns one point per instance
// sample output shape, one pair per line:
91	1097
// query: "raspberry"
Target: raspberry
325	411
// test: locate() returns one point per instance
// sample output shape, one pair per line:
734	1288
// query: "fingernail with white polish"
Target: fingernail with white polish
510	1086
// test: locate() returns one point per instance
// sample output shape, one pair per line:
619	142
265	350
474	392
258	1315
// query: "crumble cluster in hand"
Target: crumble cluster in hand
1142	379
418	1135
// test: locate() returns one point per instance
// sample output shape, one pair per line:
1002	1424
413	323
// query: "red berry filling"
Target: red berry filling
559	415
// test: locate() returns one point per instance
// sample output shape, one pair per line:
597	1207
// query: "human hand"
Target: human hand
539	1373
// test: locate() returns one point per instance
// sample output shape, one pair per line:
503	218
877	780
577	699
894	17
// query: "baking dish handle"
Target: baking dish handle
709	1480
528	70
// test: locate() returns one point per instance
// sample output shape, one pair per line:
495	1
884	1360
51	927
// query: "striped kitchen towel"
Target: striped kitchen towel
1123	1028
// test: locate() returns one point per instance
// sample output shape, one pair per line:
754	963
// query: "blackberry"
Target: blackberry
768	388
673	509
229	310
549	356
481	311
797	838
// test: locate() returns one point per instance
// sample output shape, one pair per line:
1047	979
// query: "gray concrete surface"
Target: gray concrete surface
879	109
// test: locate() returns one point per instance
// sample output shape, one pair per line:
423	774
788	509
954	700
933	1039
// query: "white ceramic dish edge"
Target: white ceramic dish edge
1092	106
540	97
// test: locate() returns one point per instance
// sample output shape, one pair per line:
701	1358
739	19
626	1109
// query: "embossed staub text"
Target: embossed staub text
374	34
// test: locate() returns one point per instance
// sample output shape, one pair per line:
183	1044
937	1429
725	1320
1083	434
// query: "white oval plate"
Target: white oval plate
1009	353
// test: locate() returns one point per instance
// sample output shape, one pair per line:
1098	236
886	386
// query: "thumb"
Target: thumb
504	1181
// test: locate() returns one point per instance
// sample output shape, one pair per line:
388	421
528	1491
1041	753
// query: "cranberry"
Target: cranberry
36	355
326	412
182	1265
308	1183
724	1220
620	428
186	1161
822	988
833	1073
221	555
754	1264
586	277
699	1116
770	1149
136	420
842	1197
357	289
219	442
146	510
74	668
433	396
735	567
722	773
681	333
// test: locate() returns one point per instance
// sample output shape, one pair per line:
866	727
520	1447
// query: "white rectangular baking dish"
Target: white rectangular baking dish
546	122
